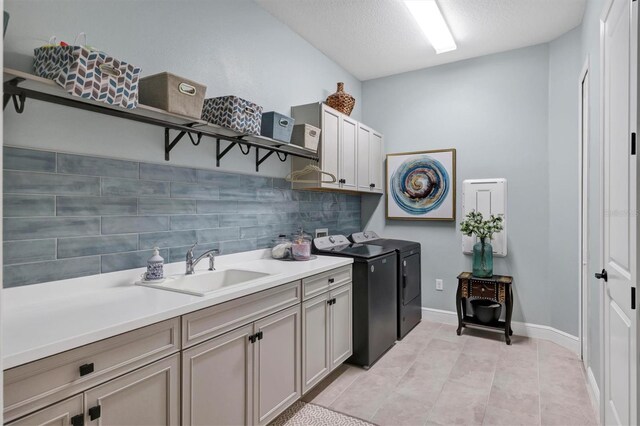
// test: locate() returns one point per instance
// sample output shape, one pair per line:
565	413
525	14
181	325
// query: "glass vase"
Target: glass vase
482	259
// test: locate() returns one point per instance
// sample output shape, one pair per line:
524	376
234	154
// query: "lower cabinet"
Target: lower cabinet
246	376
64	413
327	334
147	396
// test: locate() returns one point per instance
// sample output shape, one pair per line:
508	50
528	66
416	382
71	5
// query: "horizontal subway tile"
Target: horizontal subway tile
167	173
194	221
96	166
29	159
165	206
32	273
199	191
88	246
238	219
267	207
237	246
271	231
217	234
234	180
238	194
179	254
134	224
131	260
134	188
270	194
167	239
28	251
205	206
46	183
95	206
15	205
51	227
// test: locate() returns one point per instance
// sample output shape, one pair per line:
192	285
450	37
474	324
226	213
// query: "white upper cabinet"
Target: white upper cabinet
376	150
348	154
345	150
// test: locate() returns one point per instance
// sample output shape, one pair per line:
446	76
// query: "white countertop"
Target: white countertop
45	319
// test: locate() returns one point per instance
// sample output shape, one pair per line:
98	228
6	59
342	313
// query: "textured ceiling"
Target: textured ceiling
377	38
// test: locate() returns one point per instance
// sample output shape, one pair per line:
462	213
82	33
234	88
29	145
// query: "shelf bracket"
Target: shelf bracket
12	92
224	152
243	151
168	146
282	157
262	160
197	141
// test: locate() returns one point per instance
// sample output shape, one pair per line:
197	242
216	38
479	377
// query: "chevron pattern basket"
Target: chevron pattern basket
89	74
233	113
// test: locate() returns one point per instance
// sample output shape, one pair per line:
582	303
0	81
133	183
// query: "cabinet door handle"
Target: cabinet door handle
77	420
86	369
95	412
372	185
331	280
252	338
259	335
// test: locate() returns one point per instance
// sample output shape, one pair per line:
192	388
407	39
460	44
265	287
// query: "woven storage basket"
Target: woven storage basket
341	100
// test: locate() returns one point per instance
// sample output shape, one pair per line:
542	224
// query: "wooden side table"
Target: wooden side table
498	288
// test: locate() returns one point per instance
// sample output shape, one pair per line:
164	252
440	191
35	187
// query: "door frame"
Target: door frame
583	191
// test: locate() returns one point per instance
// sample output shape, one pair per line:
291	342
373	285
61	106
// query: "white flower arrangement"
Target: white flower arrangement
474	224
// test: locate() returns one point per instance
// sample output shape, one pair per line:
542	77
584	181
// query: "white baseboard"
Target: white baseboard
536	331
594	391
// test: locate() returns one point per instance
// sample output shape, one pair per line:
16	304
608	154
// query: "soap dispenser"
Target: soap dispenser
155	266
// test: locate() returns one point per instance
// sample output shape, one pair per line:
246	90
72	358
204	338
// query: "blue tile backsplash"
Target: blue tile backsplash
68	216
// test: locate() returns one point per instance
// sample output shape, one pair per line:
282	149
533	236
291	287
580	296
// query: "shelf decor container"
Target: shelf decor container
277	126
89	74
233	113
173	93
306	136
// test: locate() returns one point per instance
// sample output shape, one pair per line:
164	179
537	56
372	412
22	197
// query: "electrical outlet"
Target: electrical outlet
439	285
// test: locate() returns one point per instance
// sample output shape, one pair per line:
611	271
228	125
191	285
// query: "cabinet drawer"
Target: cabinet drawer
211	322
40	383
325	281
483	290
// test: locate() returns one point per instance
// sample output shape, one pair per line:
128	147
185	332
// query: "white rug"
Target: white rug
305	414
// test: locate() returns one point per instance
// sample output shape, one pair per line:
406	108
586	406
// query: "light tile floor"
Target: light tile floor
434	377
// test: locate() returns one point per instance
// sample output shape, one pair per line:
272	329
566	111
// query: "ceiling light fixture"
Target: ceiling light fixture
430	19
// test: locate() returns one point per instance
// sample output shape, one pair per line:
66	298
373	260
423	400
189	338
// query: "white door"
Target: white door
364	134
619	218
329	139
348	154
375	162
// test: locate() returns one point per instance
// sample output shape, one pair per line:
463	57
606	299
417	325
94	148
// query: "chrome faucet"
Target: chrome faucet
191	263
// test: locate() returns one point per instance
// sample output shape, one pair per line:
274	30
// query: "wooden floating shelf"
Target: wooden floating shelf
20	86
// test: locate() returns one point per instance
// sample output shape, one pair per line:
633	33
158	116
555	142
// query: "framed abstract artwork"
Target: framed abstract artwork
422	185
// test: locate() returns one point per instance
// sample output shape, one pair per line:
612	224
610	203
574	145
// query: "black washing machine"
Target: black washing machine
374	295
408	277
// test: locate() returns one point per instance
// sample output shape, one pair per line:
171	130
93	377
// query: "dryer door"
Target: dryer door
410	278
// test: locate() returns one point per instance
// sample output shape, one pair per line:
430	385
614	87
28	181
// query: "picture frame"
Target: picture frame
407	197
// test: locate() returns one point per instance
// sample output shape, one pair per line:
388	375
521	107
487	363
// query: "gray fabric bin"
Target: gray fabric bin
172	93
277	126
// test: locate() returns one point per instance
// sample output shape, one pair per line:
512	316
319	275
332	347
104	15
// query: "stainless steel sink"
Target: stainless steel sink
205	282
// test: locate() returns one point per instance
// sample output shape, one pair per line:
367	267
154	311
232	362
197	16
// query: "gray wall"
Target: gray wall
70	215
234	47
494	111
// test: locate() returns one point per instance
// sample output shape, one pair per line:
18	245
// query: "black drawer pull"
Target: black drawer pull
94	412
77	420
86	369
331	280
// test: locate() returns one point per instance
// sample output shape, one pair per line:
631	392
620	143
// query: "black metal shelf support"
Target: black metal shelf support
220	154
